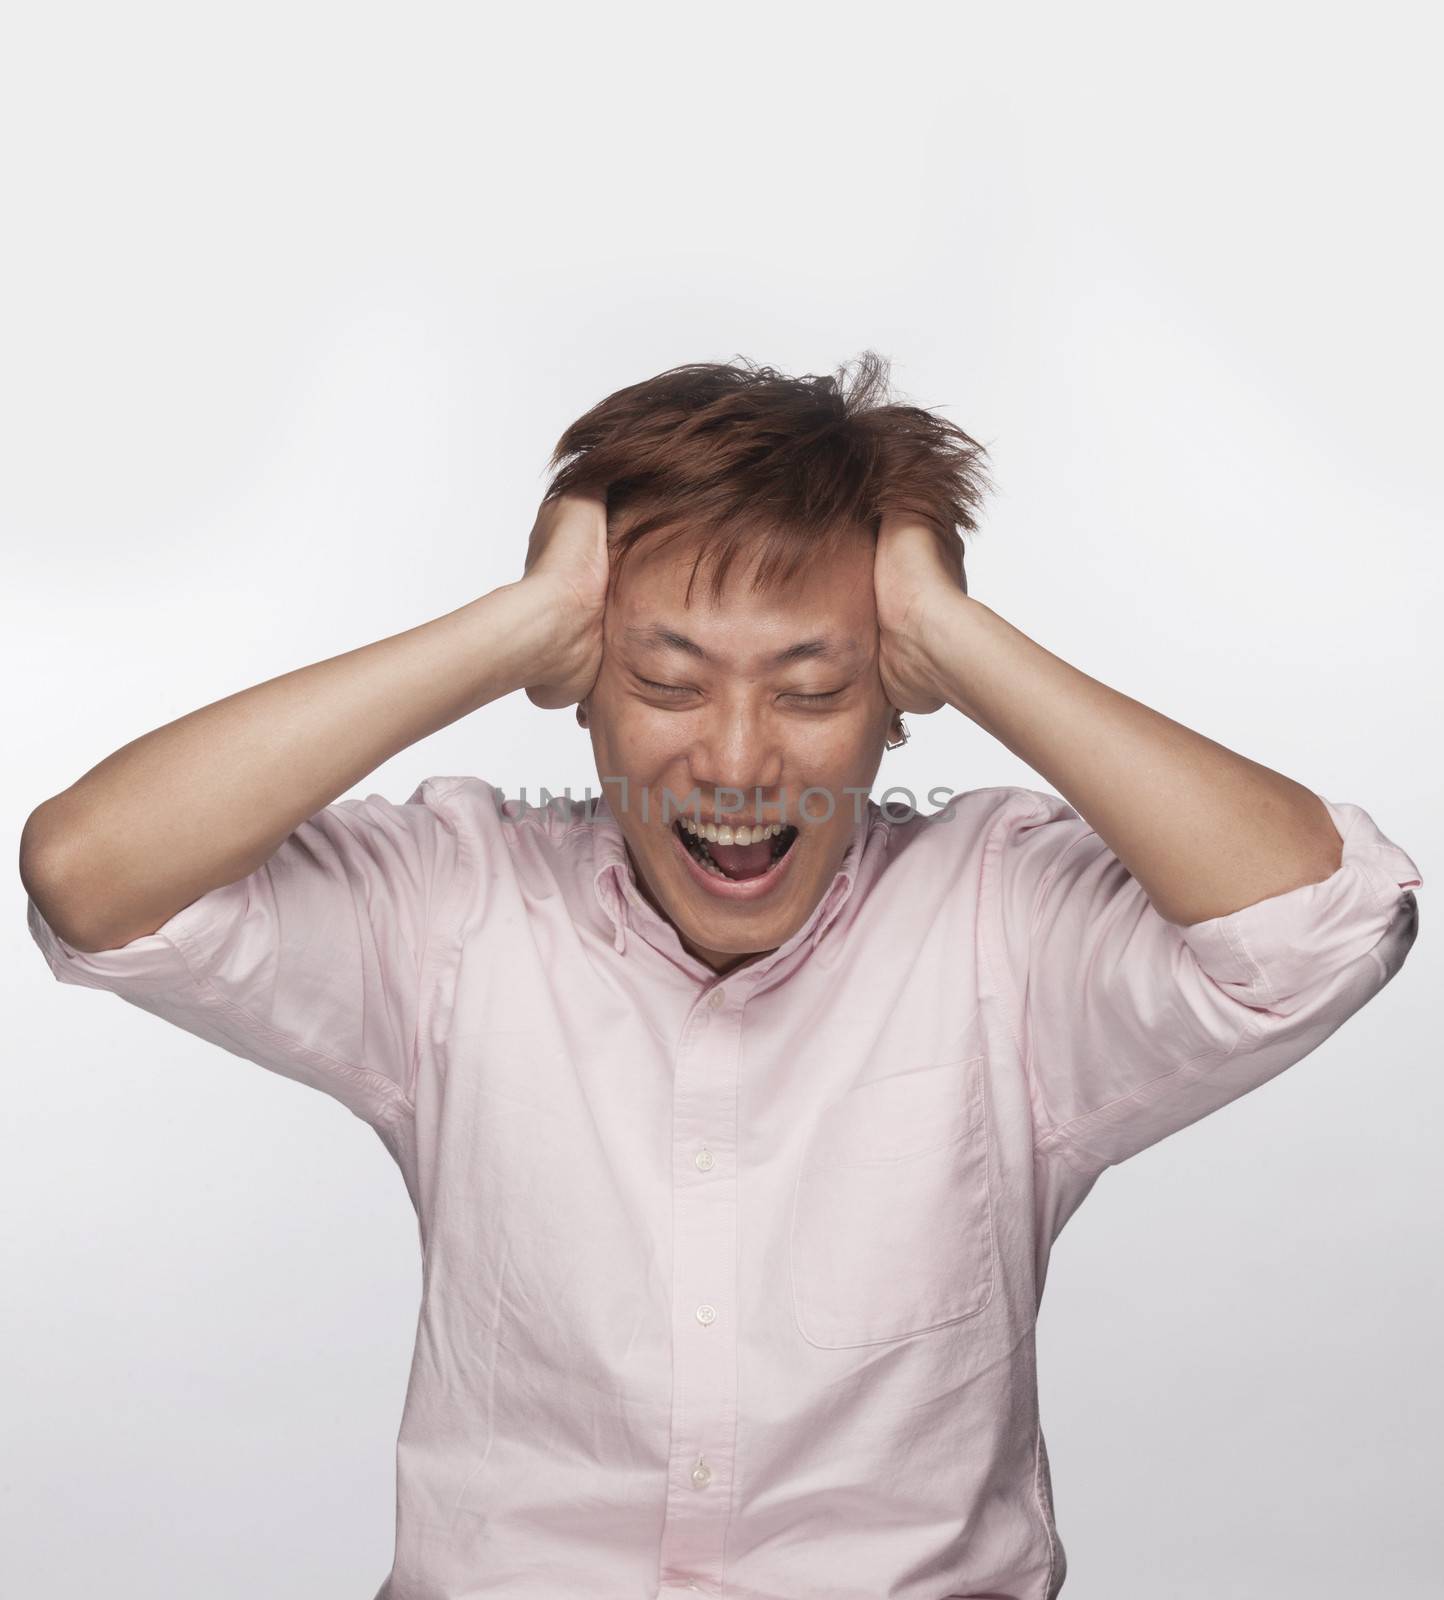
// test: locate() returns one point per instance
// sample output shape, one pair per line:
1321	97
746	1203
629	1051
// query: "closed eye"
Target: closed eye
673	690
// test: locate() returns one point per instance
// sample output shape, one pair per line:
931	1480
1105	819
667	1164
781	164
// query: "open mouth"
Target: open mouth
735	853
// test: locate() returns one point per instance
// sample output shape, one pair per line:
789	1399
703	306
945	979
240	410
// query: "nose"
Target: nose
737	748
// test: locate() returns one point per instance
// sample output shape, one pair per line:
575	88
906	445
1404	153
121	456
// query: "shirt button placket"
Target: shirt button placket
704	1275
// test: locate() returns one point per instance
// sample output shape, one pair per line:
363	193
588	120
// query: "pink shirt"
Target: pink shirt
730	1283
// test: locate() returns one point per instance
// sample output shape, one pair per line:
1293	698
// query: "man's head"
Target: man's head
753	700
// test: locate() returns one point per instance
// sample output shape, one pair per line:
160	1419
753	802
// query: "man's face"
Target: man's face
698	698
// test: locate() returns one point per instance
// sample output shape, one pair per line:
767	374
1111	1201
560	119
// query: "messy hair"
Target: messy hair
787	469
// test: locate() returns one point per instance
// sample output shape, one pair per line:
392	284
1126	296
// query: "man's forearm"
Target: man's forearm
204	800
1205	831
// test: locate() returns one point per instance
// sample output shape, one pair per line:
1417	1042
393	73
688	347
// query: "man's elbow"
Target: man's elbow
60	894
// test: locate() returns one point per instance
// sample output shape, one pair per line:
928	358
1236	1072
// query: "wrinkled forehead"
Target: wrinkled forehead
760	649
662	583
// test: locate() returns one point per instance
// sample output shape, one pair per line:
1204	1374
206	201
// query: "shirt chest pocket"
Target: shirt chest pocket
892	1229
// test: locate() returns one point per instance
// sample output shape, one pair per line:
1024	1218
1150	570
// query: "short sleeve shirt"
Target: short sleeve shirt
731	1281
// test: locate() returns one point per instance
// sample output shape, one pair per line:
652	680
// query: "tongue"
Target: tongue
742	860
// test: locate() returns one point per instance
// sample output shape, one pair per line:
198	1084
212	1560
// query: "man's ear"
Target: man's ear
581	713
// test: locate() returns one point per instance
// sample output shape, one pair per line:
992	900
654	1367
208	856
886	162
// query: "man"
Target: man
739	1112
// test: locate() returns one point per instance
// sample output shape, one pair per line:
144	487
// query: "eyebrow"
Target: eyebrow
660	638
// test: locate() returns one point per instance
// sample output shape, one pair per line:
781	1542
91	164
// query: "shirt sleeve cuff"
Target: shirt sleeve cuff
174	955
1278	947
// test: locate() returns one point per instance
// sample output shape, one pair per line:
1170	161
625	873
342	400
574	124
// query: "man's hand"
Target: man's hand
566	567
913	570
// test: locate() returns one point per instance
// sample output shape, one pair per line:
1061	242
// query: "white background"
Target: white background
297	300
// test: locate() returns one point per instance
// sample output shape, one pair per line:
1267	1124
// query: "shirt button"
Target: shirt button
716	999
706	1315
701	1476
705	1160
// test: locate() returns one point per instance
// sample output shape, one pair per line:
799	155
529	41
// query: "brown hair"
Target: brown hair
785	467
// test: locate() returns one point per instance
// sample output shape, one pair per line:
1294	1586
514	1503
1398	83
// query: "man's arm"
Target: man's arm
1205	831
203	801
1182	925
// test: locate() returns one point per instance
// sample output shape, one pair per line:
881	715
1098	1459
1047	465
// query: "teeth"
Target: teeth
725	834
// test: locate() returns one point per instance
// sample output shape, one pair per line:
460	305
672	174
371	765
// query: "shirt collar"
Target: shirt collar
629	911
